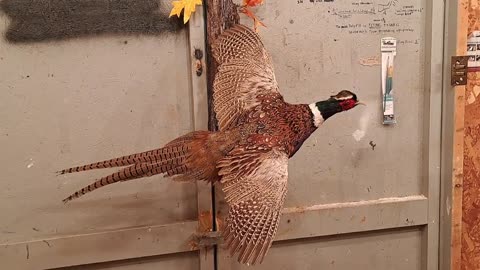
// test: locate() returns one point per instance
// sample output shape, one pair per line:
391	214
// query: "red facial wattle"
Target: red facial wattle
347	104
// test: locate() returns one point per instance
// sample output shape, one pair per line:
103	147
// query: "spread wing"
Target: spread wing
245	73
255	185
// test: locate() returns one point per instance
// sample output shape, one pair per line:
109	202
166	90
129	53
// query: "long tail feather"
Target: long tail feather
171	167
193	156
170	151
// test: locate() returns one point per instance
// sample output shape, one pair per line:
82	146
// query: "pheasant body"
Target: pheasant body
278	124
248	156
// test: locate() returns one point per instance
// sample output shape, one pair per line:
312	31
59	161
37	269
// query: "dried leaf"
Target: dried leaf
188	7
252	3
256	21
177	8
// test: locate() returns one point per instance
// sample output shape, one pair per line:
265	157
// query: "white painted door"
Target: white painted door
92	96
361	195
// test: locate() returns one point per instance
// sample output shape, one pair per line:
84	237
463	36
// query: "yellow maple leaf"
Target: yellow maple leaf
177	8
188	7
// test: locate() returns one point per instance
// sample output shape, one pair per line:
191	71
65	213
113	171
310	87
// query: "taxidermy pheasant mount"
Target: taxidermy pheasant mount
248	156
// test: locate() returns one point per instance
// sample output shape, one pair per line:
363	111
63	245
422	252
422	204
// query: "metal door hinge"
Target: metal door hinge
459	70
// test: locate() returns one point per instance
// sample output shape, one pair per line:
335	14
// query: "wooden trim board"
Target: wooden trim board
200	119
351	217
452	138
458	142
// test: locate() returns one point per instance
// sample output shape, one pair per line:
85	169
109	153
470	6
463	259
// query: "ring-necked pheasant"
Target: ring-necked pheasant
248	156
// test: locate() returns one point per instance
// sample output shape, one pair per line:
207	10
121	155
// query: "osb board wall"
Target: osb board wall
471	181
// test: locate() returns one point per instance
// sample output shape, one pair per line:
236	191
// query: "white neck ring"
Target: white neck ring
317	115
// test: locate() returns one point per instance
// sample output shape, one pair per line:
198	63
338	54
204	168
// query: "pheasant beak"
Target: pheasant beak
360	103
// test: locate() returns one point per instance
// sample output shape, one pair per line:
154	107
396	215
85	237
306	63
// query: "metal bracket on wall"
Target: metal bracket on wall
459	70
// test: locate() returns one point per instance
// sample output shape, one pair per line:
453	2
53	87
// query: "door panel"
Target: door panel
338	182
180	261
87	99
379	250
76	101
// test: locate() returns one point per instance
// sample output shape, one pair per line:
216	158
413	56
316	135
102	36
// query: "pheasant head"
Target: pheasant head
343	101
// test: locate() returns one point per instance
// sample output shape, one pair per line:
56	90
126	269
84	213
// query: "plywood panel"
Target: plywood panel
471	184
470	247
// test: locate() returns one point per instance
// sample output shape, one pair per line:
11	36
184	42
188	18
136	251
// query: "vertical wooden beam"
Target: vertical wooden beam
453	138
221	15
458	141
200	120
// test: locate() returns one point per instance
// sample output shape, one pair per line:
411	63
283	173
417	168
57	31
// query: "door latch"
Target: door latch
459	70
